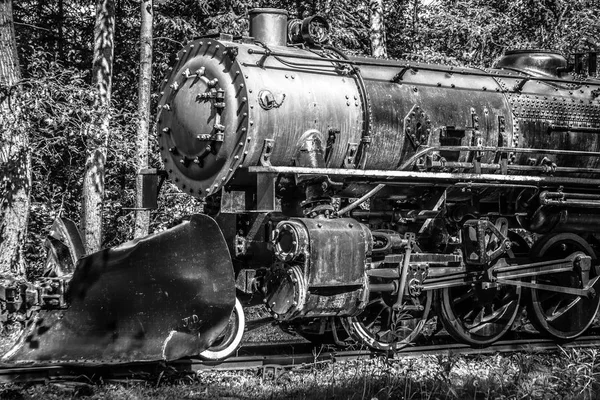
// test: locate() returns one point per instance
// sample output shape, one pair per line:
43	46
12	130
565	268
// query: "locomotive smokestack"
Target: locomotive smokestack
269	26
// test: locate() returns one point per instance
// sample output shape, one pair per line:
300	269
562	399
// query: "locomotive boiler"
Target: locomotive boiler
356	198
356	193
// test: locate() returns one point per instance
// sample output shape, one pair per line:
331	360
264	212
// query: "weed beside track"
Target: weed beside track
567	373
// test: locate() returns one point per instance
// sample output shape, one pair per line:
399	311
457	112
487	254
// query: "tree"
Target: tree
377	31
15	161
97	133
142	217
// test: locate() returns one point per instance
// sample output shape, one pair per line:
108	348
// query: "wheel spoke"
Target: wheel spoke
375	308
477	320
557	313
492	317
467	316
467	295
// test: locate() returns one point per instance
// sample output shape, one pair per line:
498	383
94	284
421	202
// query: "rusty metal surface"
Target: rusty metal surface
338	251
165	296
321	271
375	114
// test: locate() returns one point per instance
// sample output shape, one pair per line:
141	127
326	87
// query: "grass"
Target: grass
567	374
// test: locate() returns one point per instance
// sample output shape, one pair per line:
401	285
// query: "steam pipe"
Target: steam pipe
383	287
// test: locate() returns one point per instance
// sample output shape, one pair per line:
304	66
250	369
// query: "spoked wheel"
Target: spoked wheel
481	313
381	327
559	315
231	337
477	315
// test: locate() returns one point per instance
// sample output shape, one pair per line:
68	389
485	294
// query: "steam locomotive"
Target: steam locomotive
356	198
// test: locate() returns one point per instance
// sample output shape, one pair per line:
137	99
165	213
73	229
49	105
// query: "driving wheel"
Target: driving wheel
477	314
381	327
560	315
480	313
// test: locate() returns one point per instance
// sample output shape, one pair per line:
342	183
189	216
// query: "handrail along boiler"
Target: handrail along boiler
356	193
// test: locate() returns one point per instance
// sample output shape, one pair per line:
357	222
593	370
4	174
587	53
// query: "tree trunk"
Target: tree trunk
377	31
97	133
15	160
142	217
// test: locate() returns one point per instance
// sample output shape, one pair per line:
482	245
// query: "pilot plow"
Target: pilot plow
162	297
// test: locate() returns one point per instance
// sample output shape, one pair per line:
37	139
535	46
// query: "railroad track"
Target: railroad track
264	357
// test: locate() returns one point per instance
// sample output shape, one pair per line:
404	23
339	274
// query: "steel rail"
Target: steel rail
292	355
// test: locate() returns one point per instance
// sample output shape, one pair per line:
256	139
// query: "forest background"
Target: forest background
57	98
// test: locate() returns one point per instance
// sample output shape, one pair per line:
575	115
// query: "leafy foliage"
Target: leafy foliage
477	32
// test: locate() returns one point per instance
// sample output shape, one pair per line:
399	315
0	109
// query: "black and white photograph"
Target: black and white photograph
308	199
